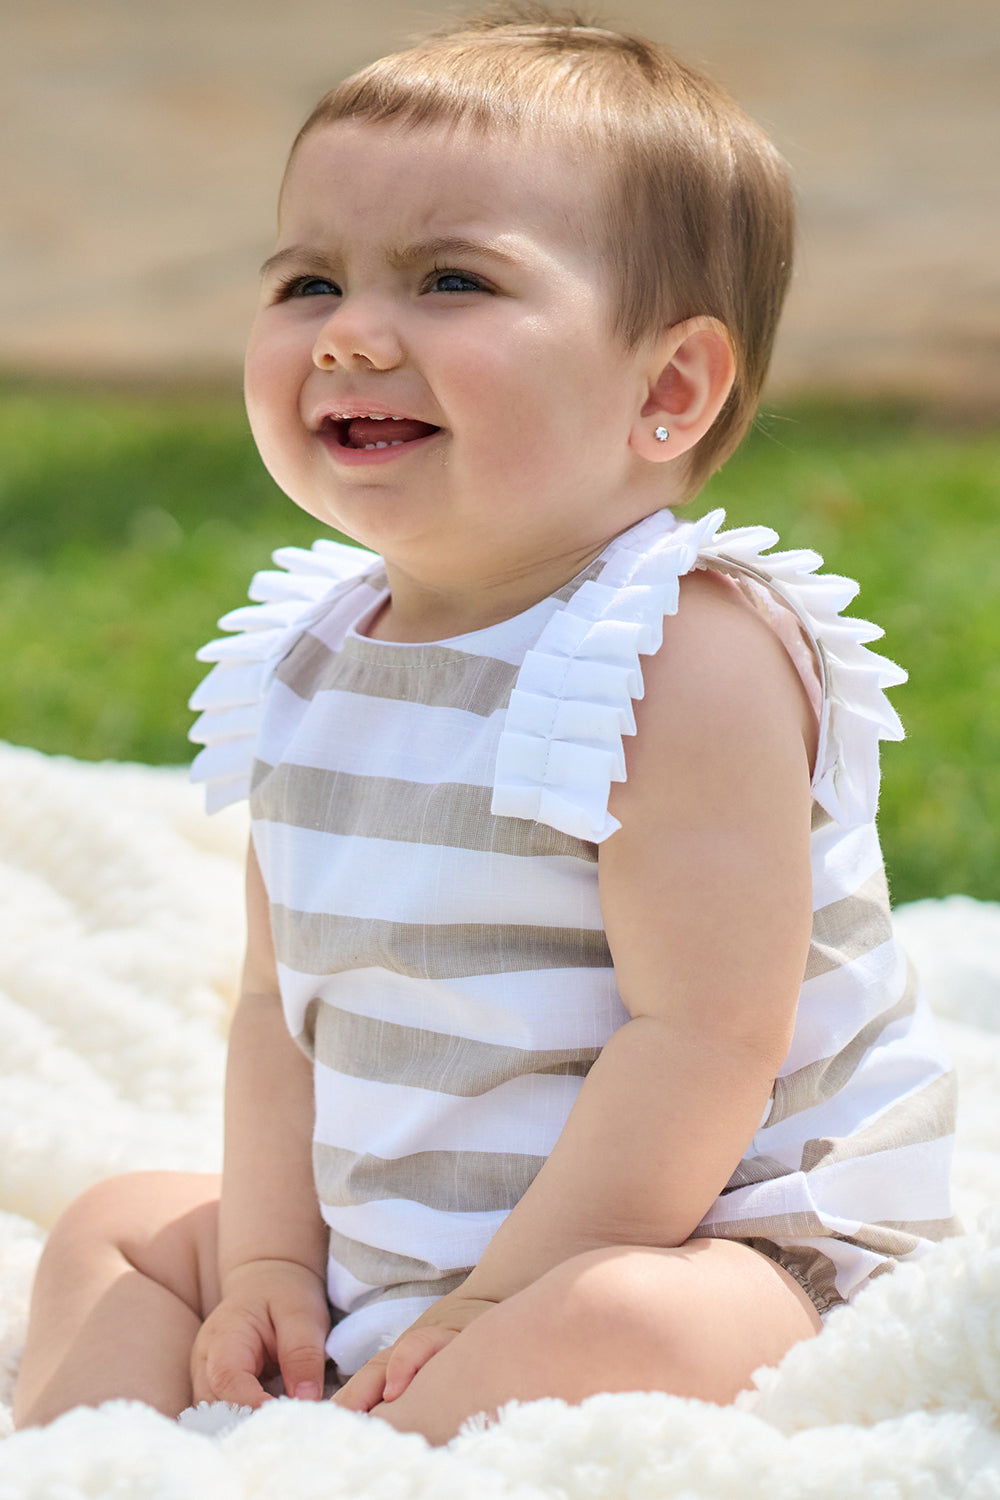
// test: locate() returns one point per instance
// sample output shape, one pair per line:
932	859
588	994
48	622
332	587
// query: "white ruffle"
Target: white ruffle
229	700
561	746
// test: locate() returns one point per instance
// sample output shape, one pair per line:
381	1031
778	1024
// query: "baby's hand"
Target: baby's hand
388	1373
273	1315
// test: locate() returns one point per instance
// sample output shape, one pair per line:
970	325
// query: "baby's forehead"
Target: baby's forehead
430	178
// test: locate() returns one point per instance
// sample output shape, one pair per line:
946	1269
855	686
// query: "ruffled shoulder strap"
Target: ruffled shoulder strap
561	746
230	699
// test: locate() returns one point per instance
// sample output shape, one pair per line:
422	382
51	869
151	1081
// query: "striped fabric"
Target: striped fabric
446	968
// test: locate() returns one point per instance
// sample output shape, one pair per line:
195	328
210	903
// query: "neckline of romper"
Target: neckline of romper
515	633
447	653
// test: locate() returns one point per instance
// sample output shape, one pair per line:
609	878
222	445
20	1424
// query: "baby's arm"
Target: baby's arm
707	903
272	1241
706	898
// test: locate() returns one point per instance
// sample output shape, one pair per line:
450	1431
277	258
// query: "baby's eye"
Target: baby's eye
455	281
309	286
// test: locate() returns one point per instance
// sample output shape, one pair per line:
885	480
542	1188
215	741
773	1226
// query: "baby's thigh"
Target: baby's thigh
163	1224
694	1321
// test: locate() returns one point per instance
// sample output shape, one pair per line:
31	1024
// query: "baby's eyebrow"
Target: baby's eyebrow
297	255
446	245
401	259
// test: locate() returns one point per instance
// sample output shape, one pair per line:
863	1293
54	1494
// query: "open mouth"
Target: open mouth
376	431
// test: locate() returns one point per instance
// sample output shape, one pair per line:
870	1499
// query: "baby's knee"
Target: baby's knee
104	1210
128	1211
597	1297
161	1224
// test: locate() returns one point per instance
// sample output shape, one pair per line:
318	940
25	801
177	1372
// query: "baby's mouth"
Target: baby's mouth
377	432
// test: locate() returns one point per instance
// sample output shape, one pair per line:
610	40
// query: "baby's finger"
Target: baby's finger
301	1356
226	1370
364	1390
409	1354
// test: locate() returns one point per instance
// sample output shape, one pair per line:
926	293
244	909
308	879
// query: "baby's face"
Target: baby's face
433	357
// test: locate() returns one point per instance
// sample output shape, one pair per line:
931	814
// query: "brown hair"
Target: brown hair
698	210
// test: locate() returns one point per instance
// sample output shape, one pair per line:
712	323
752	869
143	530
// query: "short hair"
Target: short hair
697	207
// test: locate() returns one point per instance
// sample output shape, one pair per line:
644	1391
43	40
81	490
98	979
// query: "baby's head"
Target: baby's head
696	211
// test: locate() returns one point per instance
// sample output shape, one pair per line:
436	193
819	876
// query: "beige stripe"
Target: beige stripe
926	1115
259	773
754	1169
800	1225
927	1229
379	1268
435	676
449	1282
594	570
880	1239
447	814
819	1081
820	818
849	928
386	1053
324	943
450	1181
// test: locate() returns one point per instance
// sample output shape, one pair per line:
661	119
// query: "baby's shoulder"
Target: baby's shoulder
722	700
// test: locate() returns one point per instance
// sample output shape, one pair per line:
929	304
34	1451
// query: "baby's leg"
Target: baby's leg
126	1278
695	1321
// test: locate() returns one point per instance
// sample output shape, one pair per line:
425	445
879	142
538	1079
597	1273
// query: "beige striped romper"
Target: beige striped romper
427	819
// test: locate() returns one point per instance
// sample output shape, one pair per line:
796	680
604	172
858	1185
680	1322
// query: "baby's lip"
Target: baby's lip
347	411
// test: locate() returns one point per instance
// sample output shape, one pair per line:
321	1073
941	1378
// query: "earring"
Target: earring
661	434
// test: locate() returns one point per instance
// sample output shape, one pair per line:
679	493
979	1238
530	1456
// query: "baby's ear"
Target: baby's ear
691	371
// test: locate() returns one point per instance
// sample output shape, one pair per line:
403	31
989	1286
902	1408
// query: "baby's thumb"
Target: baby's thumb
409	1354
301	1358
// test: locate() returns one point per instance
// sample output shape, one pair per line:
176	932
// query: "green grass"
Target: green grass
130	522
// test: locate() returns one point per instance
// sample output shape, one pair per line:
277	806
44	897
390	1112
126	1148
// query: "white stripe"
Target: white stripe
379	737
335	623
351	876
401	1227
909	1182
352	1342
343	1289
842	860
537	1009
283	712
833	1007
392	1120
907	1057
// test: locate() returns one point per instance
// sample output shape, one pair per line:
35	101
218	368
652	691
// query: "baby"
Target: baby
574	1051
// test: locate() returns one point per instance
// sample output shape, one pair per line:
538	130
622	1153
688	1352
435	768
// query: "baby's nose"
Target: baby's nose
358	332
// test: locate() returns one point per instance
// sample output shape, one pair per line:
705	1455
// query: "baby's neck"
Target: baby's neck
420	610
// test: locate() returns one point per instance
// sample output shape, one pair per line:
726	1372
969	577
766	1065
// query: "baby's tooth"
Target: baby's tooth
381	445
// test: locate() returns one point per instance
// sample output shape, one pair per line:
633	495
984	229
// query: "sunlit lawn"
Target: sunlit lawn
129	523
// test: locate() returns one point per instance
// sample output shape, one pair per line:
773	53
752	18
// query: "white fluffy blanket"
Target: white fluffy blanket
119	942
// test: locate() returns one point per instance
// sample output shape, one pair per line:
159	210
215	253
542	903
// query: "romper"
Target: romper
427	819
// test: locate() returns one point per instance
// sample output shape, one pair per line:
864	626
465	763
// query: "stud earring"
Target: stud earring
661	434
